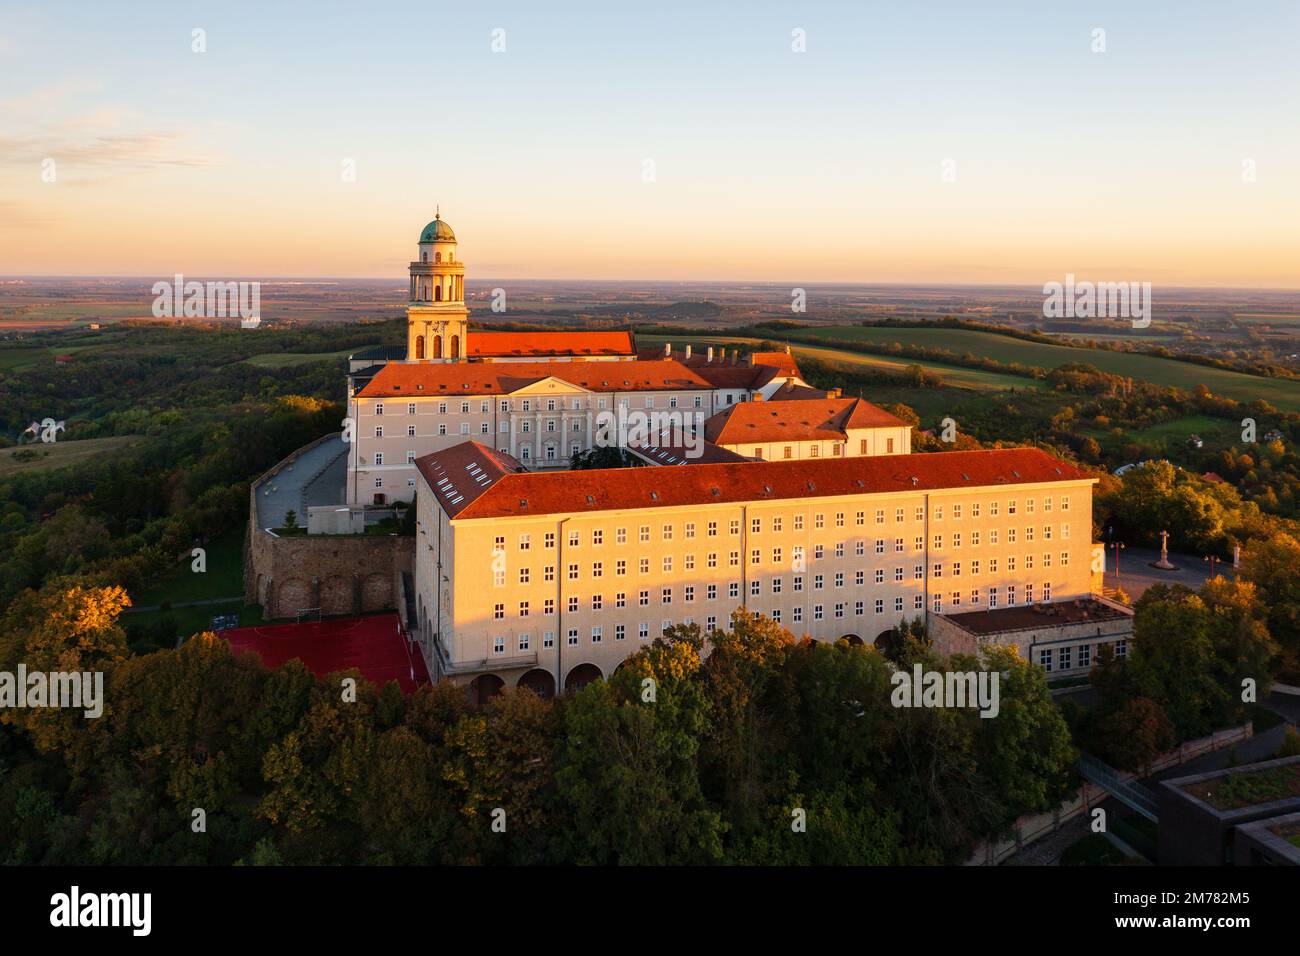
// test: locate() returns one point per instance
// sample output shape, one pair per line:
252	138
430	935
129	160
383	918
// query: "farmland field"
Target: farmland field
1284	393
952	374
1269	318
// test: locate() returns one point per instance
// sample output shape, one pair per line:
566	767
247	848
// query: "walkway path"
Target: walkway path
316	477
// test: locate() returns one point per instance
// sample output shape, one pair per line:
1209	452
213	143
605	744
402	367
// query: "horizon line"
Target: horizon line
766	282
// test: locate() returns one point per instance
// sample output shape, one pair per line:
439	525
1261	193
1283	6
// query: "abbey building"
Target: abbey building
741	485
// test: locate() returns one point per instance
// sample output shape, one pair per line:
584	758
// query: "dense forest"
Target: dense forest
769	749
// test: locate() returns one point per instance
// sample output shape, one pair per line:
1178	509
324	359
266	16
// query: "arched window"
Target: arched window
455	346
437	292
419	346
424	257
437	257
437	346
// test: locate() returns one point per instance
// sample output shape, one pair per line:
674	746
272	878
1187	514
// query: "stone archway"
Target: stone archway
853	639
294	595
336	595
483	688
580	676
539	681
888	642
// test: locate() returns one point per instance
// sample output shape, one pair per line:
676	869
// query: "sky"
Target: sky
922	142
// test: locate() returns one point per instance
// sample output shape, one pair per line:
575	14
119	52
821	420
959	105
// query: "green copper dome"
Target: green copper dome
437	230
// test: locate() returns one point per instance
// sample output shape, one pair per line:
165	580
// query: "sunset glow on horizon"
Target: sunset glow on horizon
675	141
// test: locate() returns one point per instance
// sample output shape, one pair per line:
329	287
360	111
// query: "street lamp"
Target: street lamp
1213	560
1117	547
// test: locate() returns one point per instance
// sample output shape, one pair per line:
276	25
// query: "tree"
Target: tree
1024	751
627	768
1273	566
1134	734
1173	660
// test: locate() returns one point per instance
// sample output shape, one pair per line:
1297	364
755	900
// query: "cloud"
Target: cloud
91	146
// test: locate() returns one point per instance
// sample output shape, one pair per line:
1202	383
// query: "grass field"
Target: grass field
150	630
59	454
1283	393
286	359
952	374
1268	318
223	577
1168	438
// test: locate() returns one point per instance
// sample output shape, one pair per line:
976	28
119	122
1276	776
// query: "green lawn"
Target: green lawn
1170	438
286	359
224	576
42	456
1284	393
151	630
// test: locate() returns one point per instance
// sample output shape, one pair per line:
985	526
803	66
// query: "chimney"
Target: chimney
709	355
668	350
688	353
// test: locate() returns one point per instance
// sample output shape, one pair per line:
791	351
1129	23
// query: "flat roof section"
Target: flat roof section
1028	617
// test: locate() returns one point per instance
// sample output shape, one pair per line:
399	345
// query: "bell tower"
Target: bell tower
437	322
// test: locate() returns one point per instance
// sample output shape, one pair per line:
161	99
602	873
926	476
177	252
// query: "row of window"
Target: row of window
666	596
667	565
549	405
837	449
1063	658
776	523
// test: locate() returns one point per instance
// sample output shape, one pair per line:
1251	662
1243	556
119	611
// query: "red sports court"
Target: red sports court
375	645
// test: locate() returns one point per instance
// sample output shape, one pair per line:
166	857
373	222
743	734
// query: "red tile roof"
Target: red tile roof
812	420
524	344
503	494
797	393
751	377
752	372
672	448
463	472
782	361
402	379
